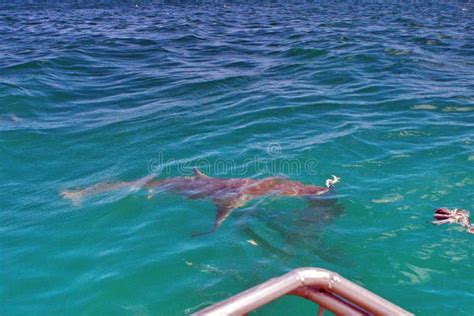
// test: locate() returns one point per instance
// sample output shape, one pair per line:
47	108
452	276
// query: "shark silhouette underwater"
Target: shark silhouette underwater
226	193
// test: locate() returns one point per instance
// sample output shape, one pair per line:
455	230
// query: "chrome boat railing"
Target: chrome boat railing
328	289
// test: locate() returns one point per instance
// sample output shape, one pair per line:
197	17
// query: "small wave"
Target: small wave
27	66
389	198
424	107
190	38
458	109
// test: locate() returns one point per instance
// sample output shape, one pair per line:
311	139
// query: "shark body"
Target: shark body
227	194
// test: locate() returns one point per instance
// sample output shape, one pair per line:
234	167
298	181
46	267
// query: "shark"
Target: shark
227	194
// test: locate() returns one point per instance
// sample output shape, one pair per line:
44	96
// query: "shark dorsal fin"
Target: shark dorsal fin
199	174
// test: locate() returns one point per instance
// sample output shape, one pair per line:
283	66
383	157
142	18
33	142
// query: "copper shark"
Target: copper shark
226	193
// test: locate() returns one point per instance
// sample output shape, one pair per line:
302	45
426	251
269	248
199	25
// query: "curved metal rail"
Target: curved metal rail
328	289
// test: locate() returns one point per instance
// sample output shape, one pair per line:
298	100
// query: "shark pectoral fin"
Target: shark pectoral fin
224	208
222	212
199	174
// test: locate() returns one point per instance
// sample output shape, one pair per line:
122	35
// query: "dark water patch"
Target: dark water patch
362	58
286	68
372	89
208	87
305	52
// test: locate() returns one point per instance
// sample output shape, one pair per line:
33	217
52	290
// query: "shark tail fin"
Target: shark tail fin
76	196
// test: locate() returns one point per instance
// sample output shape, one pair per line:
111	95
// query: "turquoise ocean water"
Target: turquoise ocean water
381	95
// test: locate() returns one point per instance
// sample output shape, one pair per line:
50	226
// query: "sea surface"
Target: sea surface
379	94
